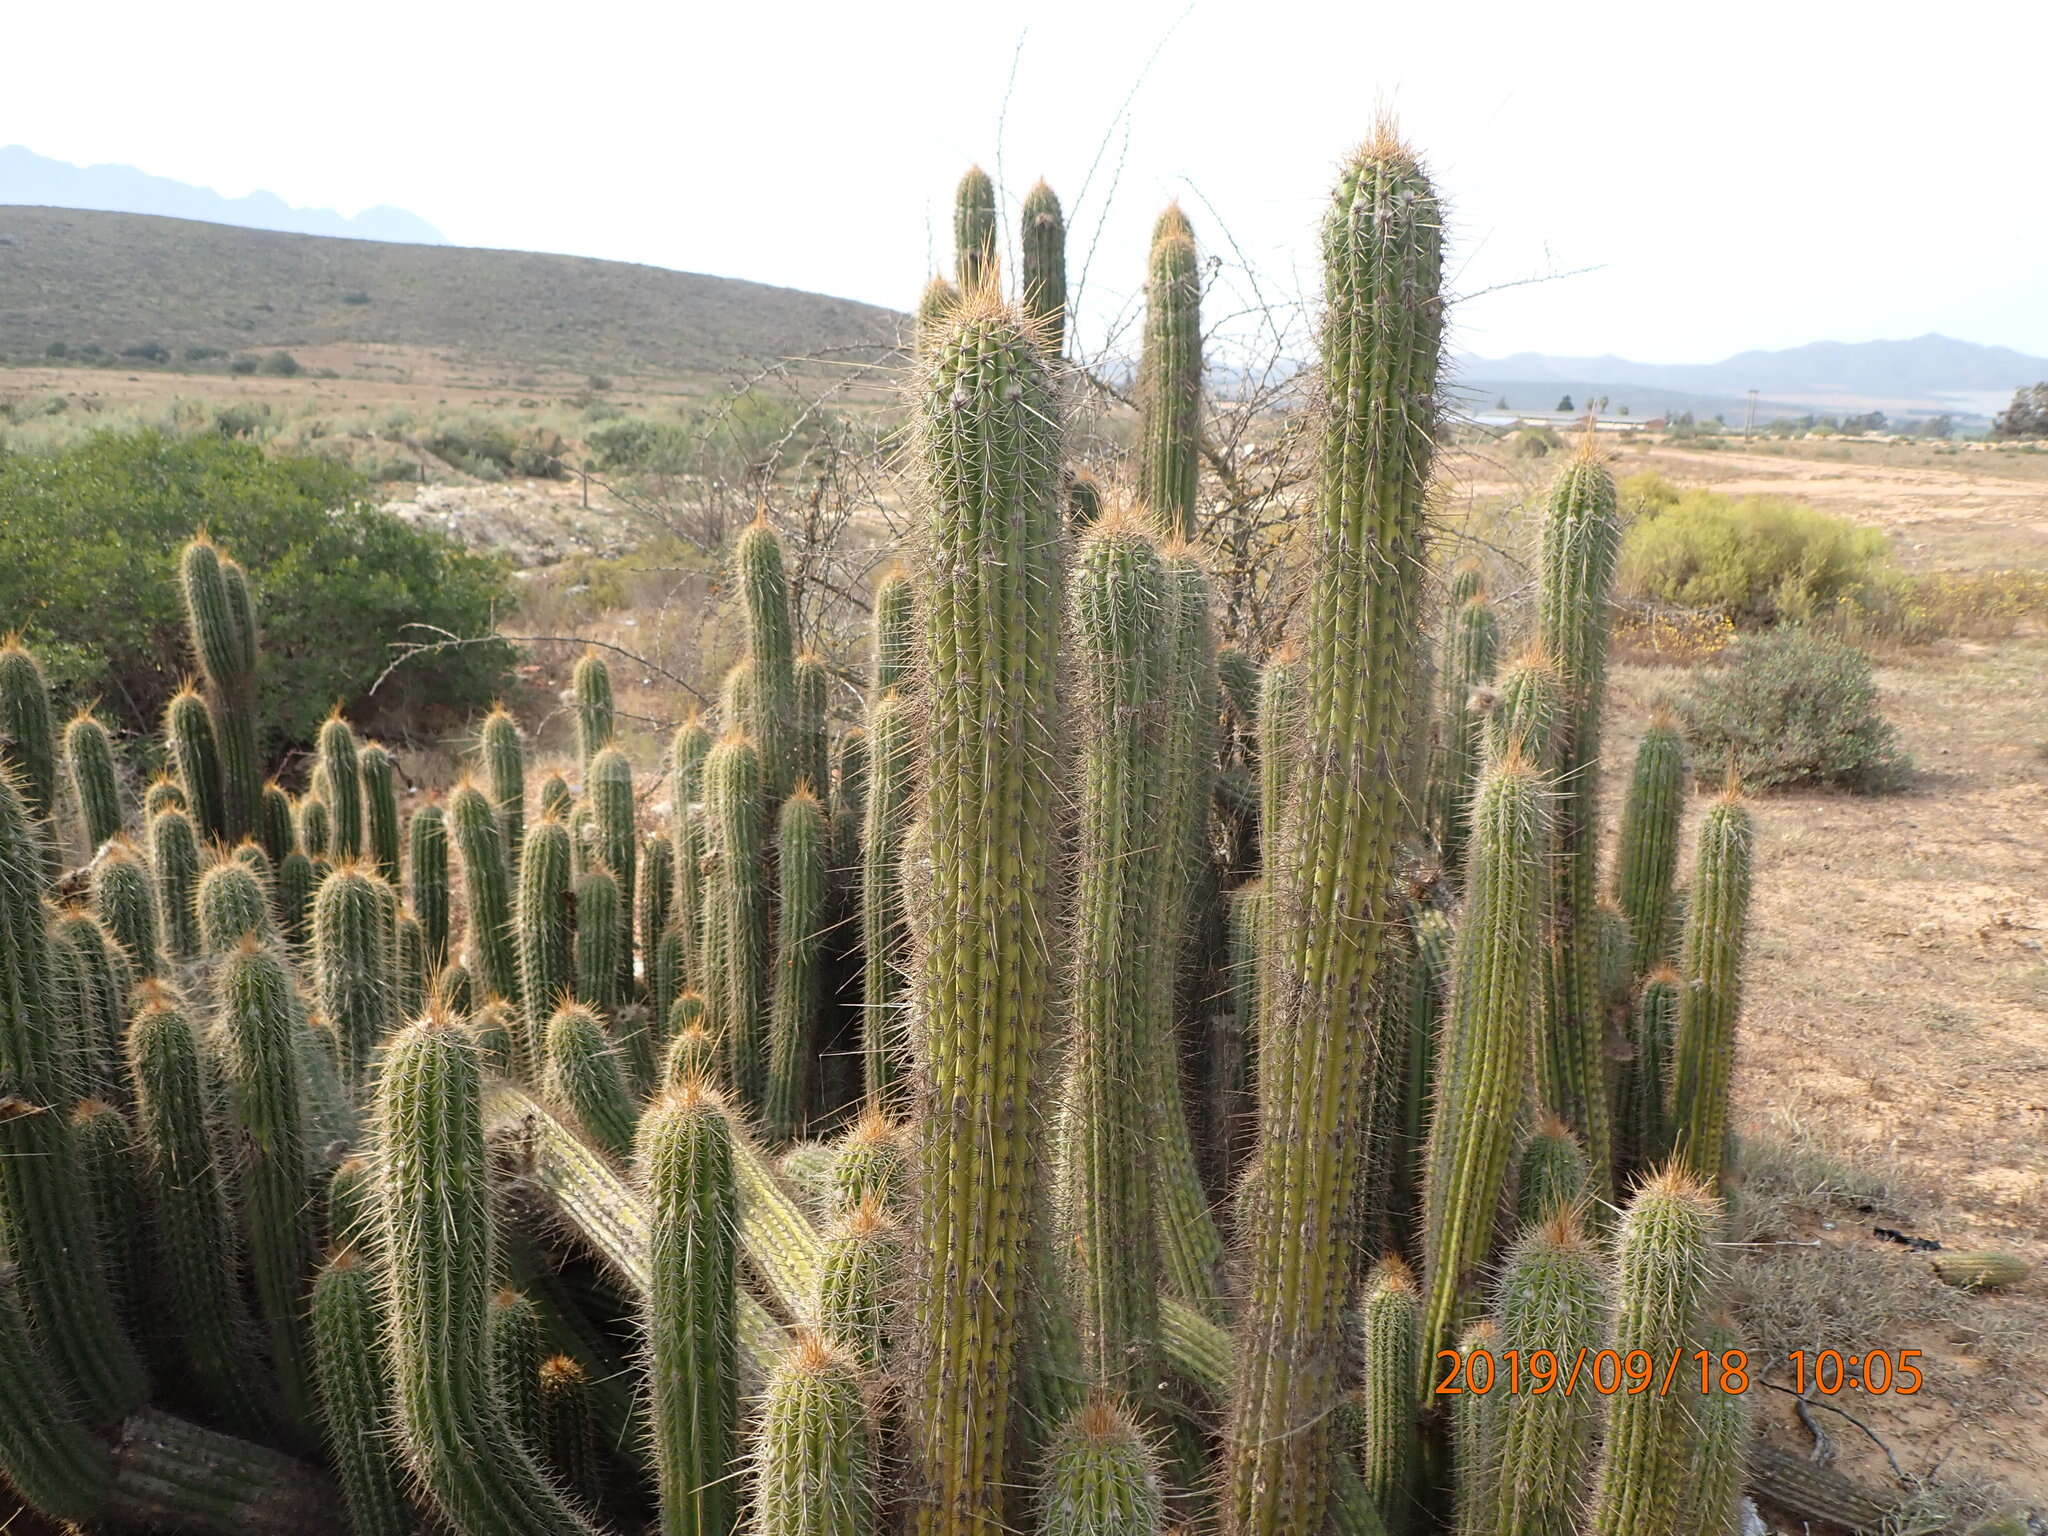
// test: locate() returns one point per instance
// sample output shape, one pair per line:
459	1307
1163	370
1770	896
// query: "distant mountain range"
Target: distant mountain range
1917	377
29	178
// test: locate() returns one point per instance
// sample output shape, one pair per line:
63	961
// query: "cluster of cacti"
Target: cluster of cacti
1112	1084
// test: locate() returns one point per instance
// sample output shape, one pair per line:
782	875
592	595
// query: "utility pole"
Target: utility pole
1750	420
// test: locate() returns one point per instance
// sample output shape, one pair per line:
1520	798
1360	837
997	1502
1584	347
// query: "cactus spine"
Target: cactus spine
1581	544
1482	1064
987	424
195	758
1471	646
1120	633
379	775
1717	915
504	769
771	659
1553	1296
89	758
1393	1342
1170	376
486	890
1044	241
814	1457
1648	851
976	263
1663	1268
355	1397
738	901
354	969
546	927
435	1200
1381	340
123	899
1101	1478
259	1028
340	766
596	723
582	1074
686	1163
800	861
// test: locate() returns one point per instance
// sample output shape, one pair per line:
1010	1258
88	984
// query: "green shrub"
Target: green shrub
280	364
89	540
1535	442
242	364
57	349
1760	560
1792	708
634	443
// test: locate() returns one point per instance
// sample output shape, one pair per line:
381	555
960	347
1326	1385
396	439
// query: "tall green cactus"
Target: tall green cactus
163	794
1641	1111
96	973
1043	238
232	903
259	1028
894	659
738	900
438	1241
1552	1297
596	715
124	899
174	862
95	784
340	763
654	912
28	732
938	300
275	827
600	924
687	752
355	1397
857	1272
989	454
582	1074
315	825
976	259
609	787
426	880
686	1163
1527	710
1717	1470
515	1340
1664	1267
1170	376
1382	335
1647	855
1716	921
223	639
814	1471
1388	1446
354	968
493	952
771	654
809	743
61	1471
502	751
195	758
569	1429
1553	1176
800	864
1471	647
378	771
107	1158
1581	545
546	927
1121	617
885	956
1101	1477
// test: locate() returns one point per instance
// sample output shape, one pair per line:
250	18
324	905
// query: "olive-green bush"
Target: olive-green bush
1790	709
1761	560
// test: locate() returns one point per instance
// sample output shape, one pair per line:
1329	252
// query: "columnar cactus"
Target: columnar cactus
771	654
687	752
1471	645
487	893
800	863
814	1470
514	1341
609	787
1581	544
355	1397
503	754
885	956
275	828
870	1162
95	785
1717	916
258	1047
354	968
1382	335
163	794
1482	1062
1664	1267
124	899
315	825
1475	1436
378	772
1527	711
223	637
581	1073
1552	1297
1043	238
987	424
811	750
341	770
569	1428
106	1153
738	903
654	910
1641	1112
1717	1471
857	1274
1647	856
1392	1319
1122	617
1170	376
426	880
555	798
600	923
546	927
1553	1174
232	903
438	1241
976	262
195	758
686	1164
1101	1478
94	971
596	715
938	300
28	733
46	1455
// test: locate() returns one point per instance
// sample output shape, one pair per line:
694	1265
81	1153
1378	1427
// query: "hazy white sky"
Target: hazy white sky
1754	176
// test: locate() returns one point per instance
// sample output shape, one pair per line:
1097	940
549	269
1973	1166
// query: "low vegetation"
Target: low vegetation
1792	709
